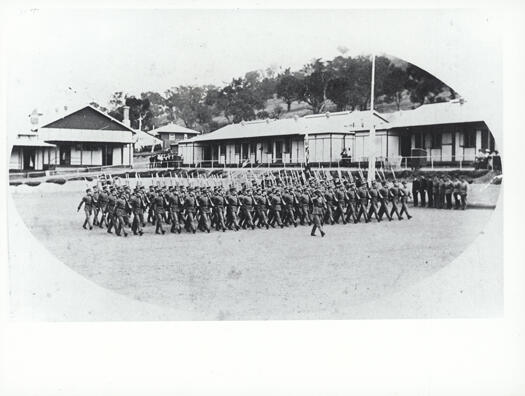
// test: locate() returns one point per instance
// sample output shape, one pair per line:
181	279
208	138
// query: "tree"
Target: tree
423	86
238	101
289	88
187	103
316	79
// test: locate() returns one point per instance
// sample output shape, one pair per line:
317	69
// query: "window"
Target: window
418	140
469	139
286	146
245	151
171	136
237	149
436	140
253	148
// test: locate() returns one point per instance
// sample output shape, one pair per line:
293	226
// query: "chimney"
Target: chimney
125	118
34	118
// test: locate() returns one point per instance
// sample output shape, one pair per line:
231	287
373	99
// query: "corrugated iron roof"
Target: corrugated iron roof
173	128
453	112
341	122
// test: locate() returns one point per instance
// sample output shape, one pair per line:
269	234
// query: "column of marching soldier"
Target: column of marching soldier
312	202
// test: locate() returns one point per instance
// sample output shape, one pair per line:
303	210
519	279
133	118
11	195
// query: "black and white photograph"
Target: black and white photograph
254	165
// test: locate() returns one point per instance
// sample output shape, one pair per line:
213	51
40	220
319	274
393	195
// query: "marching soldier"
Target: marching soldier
374	196
383	199
204	204
190	205
87	201
317	212
394	198
405	194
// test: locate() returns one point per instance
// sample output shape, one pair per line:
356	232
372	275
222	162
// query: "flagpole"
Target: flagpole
372	137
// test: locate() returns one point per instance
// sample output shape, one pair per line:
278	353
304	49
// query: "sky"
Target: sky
60	57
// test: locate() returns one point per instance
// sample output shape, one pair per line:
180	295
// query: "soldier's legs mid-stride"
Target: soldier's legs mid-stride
121	225
136	225
304	214
219	219
289	216
363	209
263	218
316	220
247	218
112	222
191	225
404	209
351	212
87	221
175	223
383	210
339	213
373	210
158	223
395	210
205	222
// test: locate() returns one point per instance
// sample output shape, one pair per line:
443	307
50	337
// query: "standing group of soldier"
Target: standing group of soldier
122	209
440	191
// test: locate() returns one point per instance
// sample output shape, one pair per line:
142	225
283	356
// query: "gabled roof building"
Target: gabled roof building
83	137
444	133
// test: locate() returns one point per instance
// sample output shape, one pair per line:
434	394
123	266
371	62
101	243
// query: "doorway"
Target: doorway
65	155
107	156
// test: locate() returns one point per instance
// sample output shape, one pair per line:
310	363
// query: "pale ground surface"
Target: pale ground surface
402	269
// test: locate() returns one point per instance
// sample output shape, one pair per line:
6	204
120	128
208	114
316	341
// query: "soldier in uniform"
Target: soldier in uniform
96	208
136	207
374	197
261	207
190	205
304	207
441	192
158	211
435	192
102	204
87	201
317	212
276	207
120	211
232	212
218	209
329	209
416	184
383	199
456	193
246	202
362	193
352	201
341	200
405	194
289	200
394	198
174	201
449	188
204	204
423	191
463	190
111	219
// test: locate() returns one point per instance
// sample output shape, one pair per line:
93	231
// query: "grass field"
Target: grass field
259	274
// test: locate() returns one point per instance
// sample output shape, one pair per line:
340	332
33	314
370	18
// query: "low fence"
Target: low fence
394	162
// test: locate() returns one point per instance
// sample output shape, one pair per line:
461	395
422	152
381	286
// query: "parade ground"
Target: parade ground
280	273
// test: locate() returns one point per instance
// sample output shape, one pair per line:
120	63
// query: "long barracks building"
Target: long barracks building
444	133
